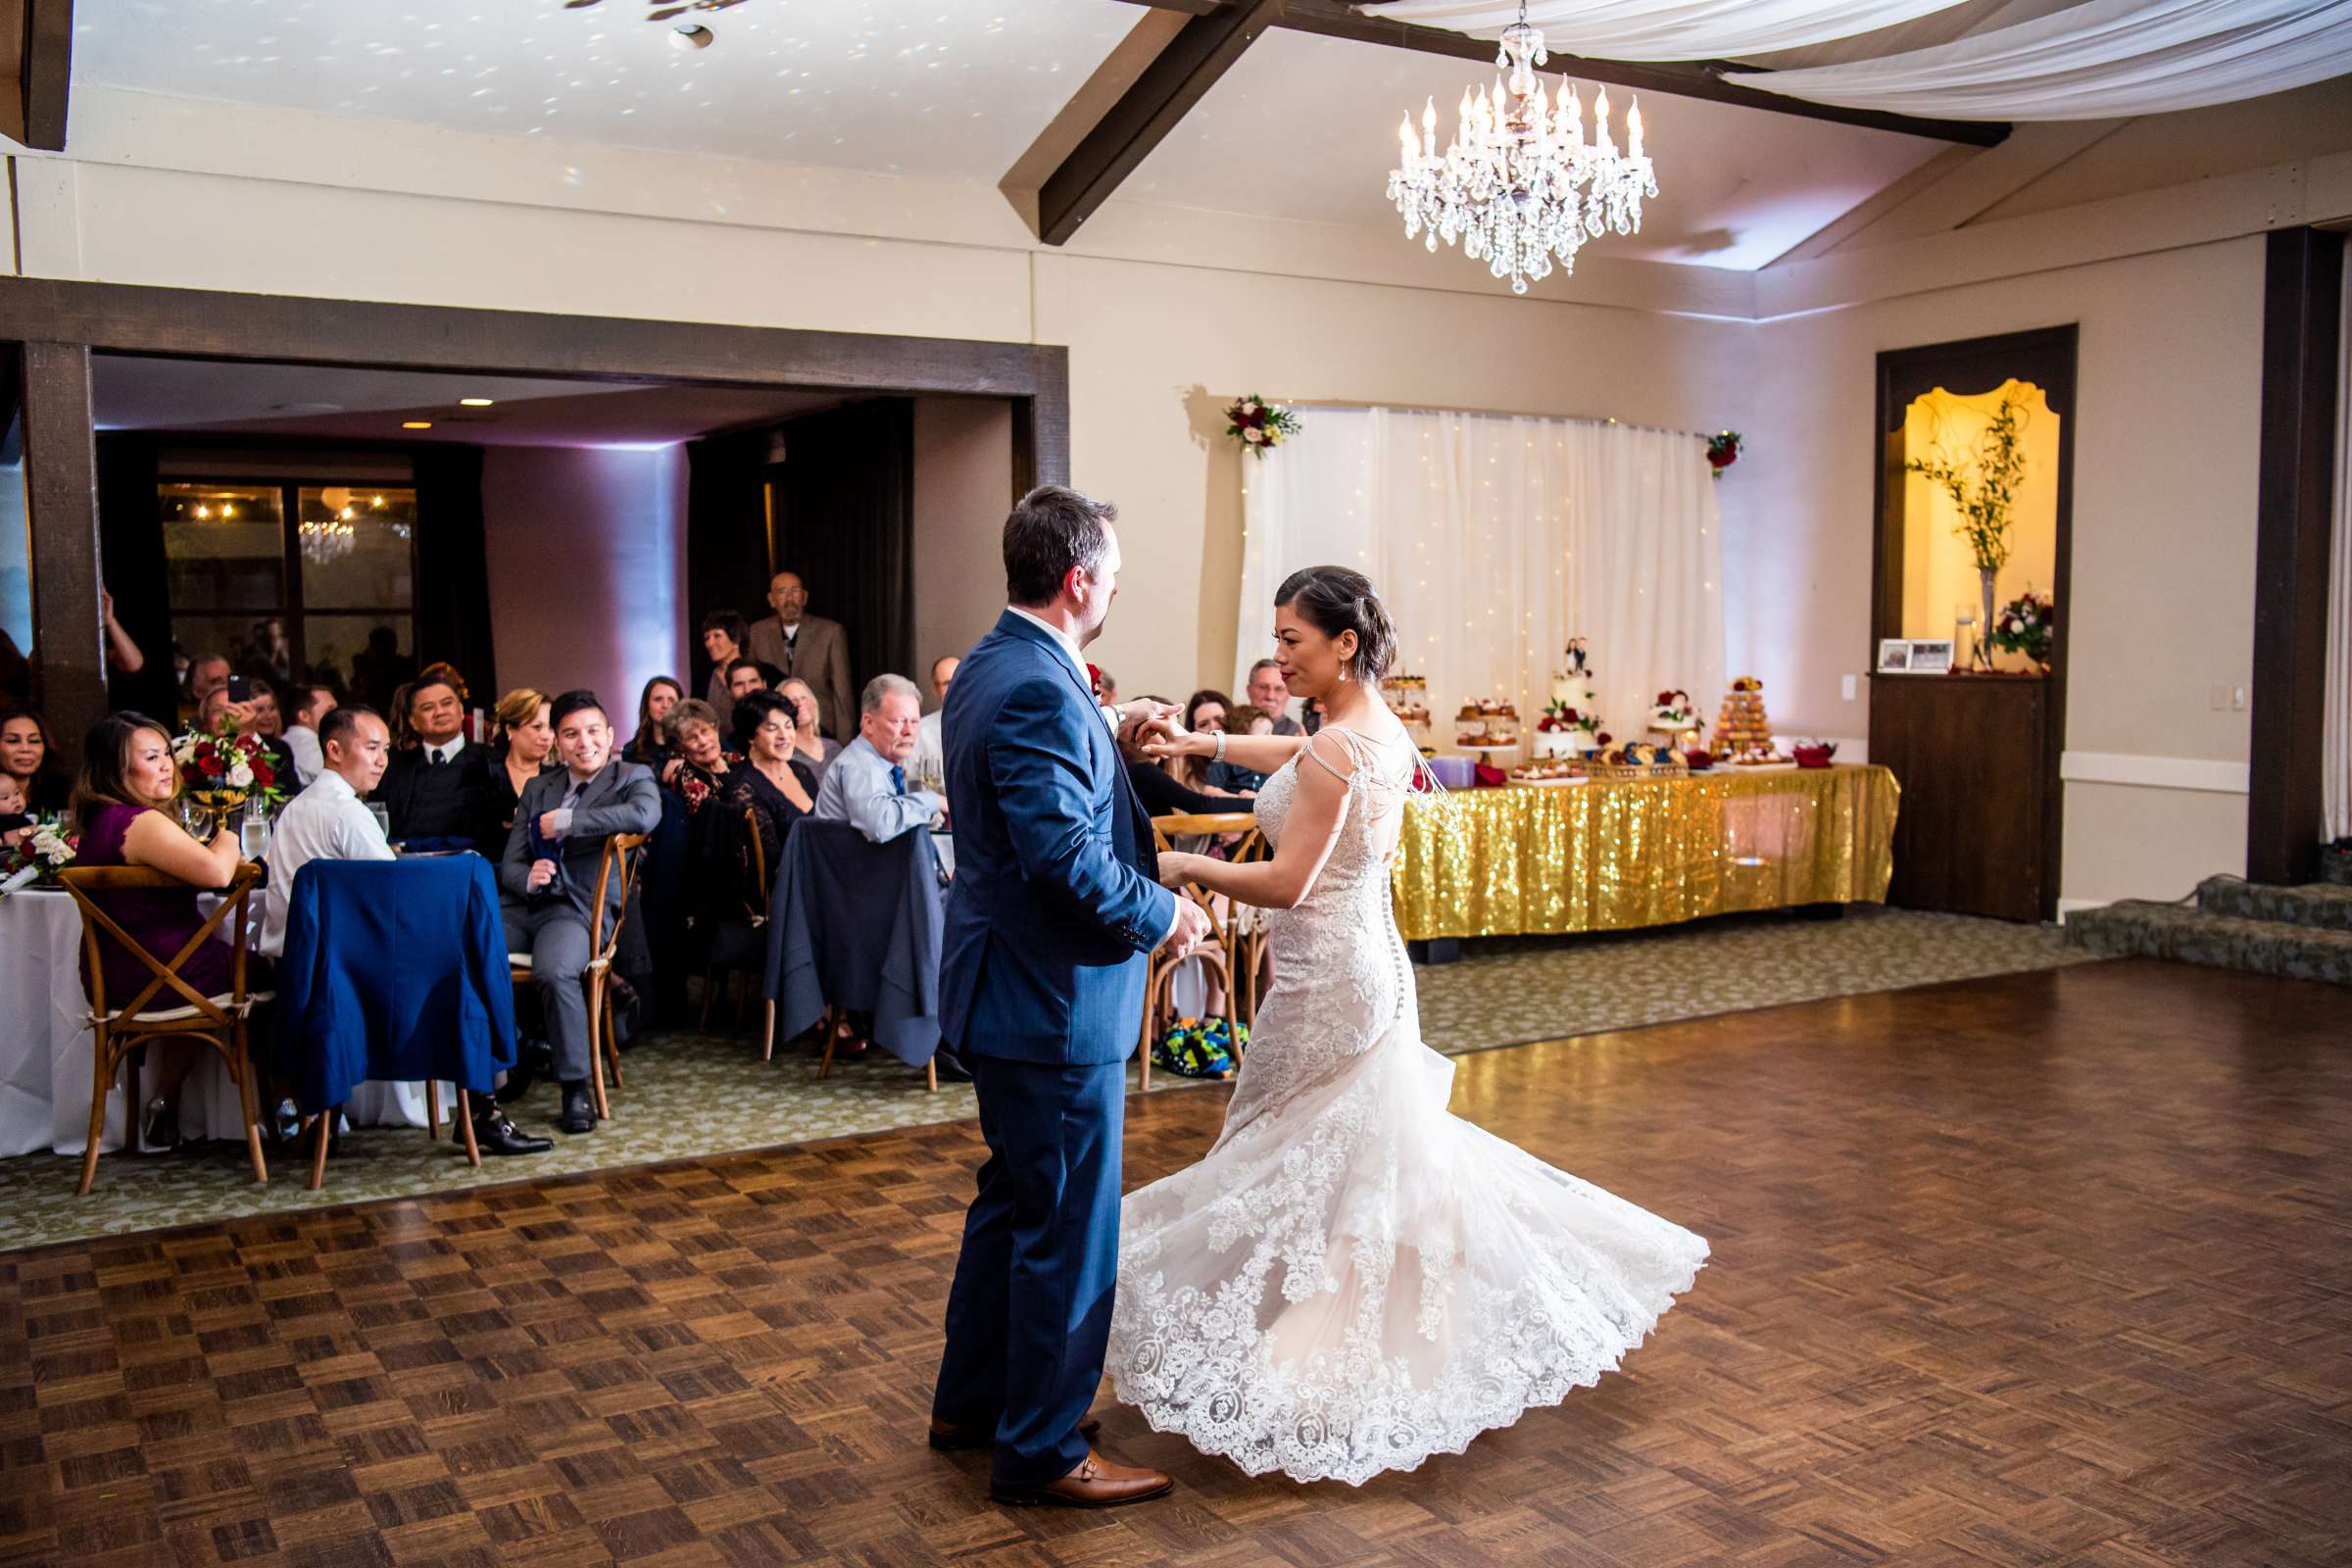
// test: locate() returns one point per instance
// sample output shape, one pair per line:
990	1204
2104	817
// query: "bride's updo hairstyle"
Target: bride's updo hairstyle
1334	600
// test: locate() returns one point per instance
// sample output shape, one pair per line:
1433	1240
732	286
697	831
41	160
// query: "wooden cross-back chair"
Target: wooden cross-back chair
754	914
623	852
167	1006
1236	936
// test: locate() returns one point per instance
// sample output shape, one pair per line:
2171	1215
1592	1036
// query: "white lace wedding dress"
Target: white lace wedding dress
1352	1279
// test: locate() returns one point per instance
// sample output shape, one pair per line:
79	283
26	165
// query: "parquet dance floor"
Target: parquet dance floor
2049	1268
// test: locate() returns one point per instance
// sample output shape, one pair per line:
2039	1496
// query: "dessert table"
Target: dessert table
1616	854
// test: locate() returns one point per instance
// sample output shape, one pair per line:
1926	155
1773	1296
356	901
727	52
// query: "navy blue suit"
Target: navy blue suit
1054	907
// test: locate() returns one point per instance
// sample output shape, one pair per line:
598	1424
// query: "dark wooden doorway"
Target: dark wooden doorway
1977	755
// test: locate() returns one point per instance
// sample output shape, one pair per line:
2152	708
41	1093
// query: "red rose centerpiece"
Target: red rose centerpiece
220	769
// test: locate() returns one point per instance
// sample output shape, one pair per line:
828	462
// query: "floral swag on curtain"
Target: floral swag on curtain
1494	539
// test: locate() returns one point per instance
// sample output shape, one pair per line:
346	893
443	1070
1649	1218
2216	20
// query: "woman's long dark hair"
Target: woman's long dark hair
105	774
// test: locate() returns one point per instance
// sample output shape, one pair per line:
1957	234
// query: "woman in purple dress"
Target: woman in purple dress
129	780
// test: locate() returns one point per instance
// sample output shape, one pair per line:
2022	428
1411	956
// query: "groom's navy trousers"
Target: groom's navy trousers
1054	907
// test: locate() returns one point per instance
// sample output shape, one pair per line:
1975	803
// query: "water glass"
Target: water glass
253	832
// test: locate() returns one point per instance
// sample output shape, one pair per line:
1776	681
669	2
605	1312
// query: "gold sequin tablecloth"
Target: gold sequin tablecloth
1615	855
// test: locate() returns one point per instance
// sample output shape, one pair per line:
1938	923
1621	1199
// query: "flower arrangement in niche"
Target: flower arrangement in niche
1983	491
2026	625
1723	450
1258	424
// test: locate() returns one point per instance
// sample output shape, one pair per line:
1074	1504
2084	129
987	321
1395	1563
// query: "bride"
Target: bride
1352	1279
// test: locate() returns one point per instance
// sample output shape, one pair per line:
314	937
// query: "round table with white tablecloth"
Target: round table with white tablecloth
45	1064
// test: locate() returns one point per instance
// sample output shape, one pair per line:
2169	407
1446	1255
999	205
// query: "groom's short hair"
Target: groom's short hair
1052	529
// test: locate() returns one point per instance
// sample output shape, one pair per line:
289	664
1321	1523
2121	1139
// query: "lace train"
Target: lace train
1353	1279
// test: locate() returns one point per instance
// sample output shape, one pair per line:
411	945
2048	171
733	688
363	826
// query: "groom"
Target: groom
1055	905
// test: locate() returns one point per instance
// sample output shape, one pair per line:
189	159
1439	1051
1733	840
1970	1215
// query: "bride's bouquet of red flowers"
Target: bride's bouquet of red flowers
224	767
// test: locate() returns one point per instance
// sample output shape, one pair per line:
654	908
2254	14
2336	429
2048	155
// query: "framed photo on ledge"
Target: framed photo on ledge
1931	655
1894	655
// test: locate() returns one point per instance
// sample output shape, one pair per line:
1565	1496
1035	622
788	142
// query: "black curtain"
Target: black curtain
845	521
452	566
726	536
131	561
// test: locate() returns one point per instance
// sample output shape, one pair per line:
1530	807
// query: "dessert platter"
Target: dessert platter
1743	734
1638	760
1407	697
1486	725
1549	771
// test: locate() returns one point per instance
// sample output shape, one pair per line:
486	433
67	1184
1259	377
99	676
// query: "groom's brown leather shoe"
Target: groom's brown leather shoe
948	1434
1097	1483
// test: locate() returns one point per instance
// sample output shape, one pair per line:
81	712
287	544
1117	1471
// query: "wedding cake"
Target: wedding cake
1570	724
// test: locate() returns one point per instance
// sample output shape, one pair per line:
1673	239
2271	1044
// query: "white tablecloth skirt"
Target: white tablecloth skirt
45	1063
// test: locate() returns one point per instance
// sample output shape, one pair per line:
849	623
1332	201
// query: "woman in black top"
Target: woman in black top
773	784
650	745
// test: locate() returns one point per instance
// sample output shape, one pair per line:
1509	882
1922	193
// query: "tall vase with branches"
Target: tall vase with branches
1983	487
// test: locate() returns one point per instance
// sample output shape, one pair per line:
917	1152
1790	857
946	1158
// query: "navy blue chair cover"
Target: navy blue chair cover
857	925
393	970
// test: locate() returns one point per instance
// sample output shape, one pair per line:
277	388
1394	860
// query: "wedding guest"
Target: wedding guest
206	674
270	724
16	820
1203	715
437	787
123	655
1232	776
120	804
811	647
379	671
548	878
699	770
777	790
651	745
930	765
29	757
722	641
519	752
1106	687
866	784
748	675
311	704
1271	695
811	746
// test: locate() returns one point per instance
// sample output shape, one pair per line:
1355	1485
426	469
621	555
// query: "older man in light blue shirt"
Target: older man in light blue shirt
866	785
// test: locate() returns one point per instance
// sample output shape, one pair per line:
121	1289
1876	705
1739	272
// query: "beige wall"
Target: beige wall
962	489
2166	432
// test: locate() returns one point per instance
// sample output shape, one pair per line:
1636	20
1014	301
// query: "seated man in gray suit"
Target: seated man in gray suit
548	878
866	784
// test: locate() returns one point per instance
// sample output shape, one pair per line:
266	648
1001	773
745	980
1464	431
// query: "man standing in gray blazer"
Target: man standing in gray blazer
815	649
547	880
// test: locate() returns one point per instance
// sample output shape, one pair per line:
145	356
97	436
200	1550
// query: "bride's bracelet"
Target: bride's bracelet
1220	757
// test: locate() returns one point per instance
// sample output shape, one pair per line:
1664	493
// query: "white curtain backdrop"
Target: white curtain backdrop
1666	29
1493	540
2102	60
2335	742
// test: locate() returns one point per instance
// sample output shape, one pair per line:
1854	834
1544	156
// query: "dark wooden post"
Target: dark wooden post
61	500
2302	319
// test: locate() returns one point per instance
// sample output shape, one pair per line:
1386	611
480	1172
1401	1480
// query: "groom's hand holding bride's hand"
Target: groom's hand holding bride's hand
1138	720
1192	929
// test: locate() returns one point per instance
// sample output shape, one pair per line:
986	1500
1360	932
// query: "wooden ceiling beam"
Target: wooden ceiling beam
1203	50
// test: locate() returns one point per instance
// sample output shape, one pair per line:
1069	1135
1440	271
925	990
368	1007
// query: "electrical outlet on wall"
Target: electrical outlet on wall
1847	684
2237	698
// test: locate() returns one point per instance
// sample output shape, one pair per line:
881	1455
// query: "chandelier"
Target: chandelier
1520	183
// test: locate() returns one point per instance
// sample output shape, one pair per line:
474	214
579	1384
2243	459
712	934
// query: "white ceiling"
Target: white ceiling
1305	127
951	87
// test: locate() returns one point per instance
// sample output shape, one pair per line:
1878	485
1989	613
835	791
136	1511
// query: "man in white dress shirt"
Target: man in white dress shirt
930	763
866	785
311	704
330	821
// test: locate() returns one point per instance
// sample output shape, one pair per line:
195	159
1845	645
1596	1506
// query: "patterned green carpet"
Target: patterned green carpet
691	1095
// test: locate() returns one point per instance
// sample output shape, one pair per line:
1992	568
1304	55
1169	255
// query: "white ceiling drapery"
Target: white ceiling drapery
1666	29
2102	60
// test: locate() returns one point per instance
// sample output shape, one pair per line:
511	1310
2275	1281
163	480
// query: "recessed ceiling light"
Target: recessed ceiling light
476	403
416	424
